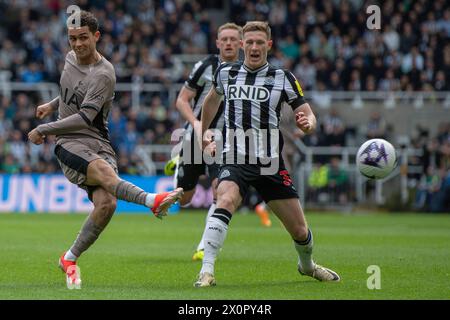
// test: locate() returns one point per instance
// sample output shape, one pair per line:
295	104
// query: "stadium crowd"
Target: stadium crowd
325	43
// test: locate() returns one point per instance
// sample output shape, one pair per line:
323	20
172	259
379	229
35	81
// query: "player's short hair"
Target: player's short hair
257	26
85	19
230	25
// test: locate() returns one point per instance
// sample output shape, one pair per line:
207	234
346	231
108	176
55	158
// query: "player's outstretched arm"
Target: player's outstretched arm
305	118
70	124
209	109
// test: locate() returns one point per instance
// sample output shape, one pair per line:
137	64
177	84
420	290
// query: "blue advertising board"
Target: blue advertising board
54	193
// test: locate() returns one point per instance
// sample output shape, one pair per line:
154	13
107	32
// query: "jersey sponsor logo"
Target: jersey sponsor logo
245	92
232	77
73	99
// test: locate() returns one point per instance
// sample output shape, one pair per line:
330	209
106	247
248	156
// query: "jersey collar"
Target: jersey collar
256	70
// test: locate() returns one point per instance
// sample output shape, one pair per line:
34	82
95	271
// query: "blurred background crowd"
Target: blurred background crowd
326	44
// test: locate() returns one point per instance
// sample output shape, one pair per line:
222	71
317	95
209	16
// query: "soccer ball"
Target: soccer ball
376	159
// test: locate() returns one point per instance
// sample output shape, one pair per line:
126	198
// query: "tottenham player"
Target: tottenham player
253	92
82	147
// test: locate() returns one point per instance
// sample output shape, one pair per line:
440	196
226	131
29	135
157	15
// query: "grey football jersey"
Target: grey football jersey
86	95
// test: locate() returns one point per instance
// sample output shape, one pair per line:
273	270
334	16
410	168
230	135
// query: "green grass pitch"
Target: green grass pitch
140	257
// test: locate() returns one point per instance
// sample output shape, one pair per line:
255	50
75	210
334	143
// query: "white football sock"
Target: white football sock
201	245
70	256
304	250
150	199
215	234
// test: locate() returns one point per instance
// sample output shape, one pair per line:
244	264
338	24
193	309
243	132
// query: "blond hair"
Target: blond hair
257	26
230	25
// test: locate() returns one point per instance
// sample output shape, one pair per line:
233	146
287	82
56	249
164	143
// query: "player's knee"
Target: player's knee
102	171
227	202
108	205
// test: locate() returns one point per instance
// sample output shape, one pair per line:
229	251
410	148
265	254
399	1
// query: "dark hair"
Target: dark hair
85	19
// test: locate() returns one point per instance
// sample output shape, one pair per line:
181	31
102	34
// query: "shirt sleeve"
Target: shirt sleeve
70	124
293	91
100	90
217	82
54	104
196	79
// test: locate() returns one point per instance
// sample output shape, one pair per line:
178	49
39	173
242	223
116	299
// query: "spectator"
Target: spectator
334	129
412	59
338	182
10	165
32	73
117	128
130	139
391	38
317	183
376	127
306	73
428	193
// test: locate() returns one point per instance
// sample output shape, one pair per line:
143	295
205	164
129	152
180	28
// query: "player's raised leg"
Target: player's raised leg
290	212
99	172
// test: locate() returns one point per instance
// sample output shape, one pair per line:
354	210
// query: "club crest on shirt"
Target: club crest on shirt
270	81
224	174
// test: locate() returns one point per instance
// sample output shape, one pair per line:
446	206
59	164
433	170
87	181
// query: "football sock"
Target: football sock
150	199
86	237
211	210
304	249
70	256
215	234
131	193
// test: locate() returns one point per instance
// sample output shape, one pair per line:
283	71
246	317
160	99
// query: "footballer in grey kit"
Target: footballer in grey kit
82	143
86	90
86	96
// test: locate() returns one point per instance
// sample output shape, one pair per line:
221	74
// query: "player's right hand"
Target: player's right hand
43	111
36	137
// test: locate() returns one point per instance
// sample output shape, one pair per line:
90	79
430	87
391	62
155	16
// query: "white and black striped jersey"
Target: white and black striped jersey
200	80
253	101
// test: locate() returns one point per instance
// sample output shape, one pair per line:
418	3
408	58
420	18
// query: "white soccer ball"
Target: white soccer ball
376	159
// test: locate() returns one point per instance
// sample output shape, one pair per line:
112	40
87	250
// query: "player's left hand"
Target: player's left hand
302	122
36	137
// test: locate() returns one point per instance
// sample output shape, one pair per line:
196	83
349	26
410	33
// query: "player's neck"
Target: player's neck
255	67
92	59
222	59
